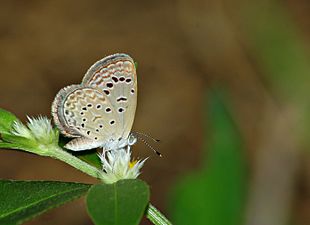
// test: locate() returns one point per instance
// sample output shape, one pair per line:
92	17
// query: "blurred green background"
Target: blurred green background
224	84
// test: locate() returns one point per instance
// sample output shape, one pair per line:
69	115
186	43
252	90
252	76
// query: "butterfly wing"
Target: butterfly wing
116	76
86	114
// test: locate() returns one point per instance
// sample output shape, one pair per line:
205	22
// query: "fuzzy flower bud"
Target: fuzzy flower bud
39	131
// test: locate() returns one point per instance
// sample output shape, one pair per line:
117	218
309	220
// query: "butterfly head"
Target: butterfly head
114	144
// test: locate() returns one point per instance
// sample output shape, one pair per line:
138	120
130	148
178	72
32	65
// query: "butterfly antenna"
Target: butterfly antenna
148	145
148	136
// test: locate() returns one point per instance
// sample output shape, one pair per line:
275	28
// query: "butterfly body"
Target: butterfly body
100	111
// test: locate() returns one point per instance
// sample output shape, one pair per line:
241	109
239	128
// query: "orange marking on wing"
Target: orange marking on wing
96	118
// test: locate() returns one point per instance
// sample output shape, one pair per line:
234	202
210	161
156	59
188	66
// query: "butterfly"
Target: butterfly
100	111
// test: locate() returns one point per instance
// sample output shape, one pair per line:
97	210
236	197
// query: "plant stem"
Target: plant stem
59	153
156	217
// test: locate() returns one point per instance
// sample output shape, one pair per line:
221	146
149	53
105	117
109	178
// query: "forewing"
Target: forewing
85	113
116	76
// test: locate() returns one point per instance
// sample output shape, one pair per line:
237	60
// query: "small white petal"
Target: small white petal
21	130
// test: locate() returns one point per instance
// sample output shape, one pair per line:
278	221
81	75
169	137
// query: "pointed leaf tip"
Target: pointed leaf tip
6	121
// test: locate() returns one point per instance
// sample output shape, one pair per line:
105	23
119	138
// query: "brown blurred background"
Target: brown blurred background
182	48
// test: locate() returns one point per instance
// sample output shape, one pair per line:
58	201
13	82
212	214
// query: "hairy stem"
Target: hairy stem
60	154
156	217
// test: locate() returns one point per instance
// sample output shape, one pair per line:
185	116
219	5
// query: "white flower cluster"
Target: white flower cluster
117	165
38	129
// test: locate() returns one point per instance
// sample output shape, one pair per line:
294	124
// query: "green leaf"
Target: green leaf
23	200
215	194
6	121
89	156
120	203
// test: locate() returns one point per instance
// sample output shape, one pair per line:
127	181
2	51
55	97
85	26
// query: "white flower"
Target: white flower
116	165
38	129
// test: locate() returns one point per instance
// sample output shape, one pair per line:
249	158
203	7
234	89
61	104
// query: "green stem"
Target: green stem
58	153
156	217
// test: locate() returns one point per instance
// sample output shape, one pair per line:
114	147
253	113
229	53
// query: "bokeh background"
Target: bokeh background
224	84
